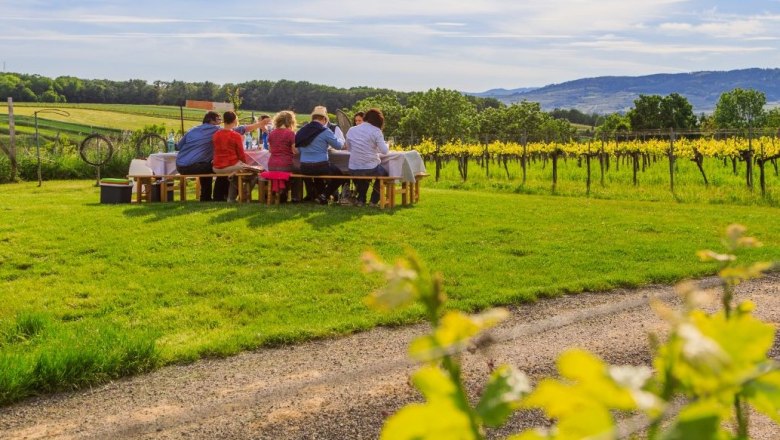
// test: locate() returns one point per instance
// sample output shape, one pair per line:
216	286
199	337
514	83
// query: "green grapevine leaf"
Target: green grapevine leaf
453	333
502	395
764	394
698	421
434	383
440	419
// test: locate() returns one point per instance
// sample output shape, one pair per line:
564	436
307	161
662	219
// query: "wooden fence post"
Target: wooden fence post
12	140
671	160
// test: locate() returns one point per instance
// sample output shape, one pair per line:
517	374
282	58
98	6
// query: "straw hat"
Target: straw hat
320	110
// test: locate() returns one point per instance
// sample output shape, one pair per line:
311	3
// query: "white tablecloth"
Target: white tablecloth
258	157
162	163
402	164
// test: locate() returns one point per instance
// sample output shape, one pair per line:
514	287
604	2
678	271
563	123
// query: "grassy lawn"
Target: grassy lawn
90	291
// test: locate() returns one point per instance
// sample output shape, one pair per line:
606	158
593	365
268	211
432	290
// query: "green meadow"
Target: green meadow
92	292
86	118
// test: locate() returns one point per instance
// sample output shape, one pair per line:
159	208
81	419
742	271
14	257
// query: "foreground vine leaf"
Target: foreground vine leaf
699	421
716	362
763	393
502	395
442	416
453	333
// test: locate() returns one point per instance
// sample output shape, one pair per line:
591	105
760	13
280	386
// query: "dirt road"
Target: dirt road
344	388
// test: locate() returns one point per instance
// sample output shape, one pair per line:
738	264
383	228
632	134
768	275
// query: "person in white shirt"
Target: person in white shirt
365	143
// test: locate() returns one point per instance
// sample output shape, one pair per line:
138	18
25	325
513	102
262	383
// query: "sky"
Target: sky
403	45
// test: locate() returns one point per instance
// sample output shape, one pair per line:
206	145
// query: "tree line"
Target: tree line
299	96
438	114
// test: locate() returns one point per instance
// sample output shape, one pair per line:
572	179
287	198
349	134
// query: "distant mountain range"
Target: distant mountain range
608	94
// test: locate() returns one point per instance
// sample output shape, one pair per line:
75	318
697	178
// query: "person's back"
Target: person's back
196	152
366	142
312	141
282	142
196	146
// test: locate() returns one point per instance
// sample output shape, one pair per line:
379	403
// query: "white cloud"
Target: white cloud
104	19
638	47
410	45
721	29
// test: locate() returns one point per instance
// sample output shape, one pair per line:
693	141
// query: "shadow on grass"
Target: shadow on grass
256	214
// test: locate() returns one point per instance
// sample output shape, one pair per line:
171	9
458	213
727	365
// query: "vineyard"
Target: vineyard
710	154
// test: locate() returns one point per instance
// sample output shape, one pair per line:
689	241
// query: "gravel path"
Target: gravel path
344	388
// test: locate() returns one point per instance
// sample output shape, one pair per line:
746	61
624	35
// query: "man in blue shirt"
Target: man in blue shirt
196	150
312	141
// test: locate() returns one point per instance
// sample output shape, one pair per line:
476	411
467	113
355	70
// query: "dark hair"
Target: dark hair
375	118
264	117
361	114
229	117
210	117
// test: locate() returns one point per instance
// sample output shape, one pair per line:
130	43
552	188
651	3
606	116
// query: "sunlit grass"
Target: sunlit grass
90	291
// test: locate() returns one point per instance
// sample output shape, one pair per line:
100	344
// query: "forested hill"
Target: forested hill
608	94
300	96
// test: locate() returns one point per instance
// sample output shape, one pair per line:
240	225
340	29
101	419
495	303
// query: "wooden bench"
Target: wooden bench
143	185
409	191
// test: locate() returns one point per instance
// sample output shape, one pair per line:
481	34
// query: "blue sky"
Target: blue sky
404	45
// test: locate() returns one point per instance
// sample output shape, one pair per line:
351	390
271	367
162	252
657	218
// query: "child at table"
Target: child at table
229	155
281	143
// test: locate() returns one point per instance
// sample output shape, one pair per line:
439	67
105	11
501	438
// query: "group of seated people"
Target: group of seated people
209	148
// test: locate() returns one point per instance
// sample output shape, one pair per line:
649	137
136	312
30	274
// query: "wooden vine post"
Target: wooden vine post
670	153
486	155
438	161
554	168
587	165
601	160
749	160
524	159
10	151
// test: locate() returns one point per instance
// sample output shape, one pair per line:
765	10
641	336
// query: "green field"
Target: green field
112	117
91	292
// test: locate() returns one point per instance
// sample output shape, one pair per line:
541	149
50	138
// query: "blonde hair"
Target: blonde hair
285	119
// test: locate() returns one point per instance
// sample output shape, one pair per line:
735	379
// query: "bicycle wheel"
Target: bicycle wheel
148	144
96	149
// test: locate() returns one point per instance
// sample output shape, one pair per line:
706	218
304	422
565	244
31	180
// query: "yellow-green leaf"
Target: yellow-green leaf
530	434
708	255
698	421
453	333
502	395
434	383
589	423
764	394
580	365
438	420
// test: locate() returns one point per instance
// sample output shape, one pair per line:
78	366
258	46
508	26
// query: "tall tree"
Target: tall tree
524	120
391	109
740	109
653	112
646	113
447	114
613	124
677	113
